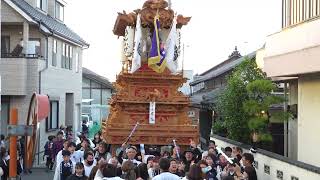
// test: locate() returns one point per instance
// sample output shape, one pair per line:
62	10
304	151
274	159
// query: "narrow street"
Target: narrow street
38	173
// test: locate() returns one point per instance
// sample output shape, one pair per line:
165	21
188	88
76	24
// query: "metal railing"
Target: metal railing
28	56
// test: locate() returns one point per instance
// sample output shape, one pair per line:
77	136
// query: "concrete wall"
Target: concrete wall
290	169
308	118
14	76
8	14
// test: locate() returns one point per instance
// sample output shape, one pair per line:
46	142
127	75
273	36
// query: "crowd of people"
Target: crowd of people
81	158
5	157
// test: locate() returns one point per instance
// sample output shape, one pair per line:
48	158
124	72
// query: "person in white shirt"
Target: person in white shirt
74	157
165	174
64	168
131	152
155	169
89	162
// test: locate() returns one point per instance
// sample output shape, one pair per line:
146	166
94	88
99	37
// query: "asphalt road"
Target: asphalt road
38	173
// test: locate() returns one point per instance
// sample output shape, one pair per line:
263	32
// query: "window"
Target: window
70	57
95	85
59	11
67	57
86	94
42	4
5	45
96	96
85	82
66	60
106	94
77	62
53	118
54	53
63	56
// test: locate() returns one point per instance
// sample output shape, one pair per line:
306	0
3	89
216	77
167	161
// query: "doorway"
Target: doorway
69	111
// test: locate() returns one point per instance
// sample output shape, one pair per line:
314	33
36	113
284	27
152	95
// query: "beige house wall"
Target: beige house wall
308	119
9	15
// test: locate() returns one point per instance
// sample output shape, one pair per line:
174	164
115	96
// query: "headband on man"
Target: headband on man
131	147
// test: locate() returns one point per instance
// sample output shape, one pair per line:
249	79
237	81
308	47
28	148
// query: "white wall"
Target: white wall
302	36
308	119
294	50
288	170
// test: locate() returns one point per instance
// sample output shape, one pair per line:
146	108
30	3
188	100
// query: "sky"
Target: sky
216	27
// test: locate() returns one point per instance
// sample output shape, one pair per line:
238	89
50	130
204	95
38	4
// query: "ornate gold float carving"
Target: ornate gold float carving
134	92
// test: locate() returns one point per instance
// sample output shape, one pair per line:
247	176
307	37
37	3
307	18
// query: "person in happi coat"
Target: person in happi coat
65	168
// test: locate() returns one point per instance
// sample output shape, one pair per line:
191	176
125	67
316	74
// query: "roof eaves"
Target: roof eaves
39	21
96	77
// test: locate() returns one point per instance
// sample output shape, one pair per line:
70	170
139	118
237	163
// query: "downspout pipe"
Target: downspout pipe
39	85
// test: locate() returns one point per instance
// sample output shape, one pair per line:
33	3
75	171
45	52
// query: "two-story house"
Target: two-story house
292	56
39	53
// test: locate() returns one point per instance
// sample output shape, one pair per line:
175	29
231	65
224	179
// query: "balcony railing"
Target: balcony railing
27	56
31	50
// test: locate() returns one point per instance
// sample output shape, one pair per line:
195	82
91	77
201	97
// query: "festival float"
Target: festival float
147	107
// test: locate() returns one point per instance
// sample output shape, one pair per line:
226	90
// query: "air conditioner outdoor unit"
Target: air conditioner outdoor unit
31	48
